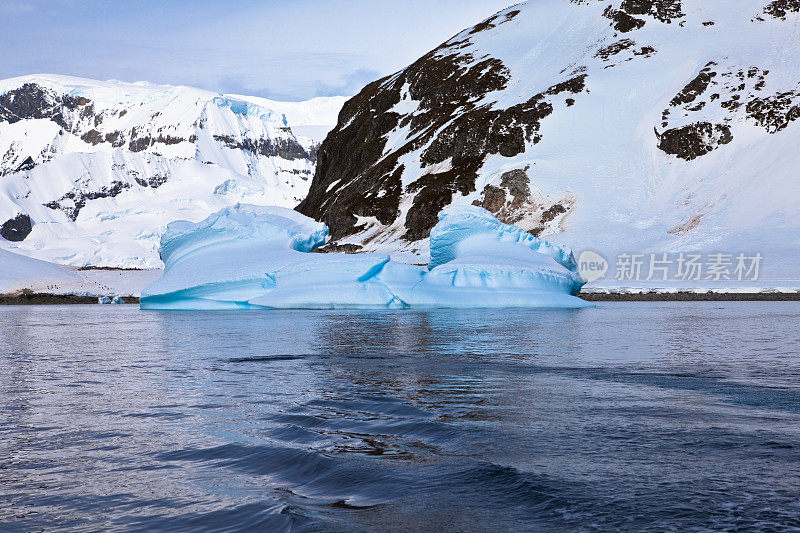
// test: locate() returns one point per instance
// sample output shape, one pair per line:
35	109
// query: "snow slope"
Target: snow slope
92	172
310	120
251	257
624	126
20	273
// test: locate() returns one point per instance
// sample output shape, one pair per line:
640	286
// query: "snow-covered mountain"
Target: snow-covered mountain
310	120
638	126
92	172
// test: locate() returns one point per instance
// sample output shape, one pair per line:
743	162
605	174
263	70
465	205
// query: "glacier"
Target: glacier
263	257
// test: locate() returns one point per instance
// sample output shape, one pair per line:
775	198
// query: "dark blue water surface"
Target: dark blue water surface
658	416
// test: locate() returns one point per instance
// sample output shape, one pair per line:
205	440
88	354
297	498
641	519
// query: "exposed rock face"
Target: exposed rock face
285	148
732	94
781	8
622	51
694	140
453	134
154	182
443	81
543	114
694	88
465	142
622	21
25	165
615	48
17	228
73	201
663	10
34	102
359	177
512	203
94	137
627	17
775	113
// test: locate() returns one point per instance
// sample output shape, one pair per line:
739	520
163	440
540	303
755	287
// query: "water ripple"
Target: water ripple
652	417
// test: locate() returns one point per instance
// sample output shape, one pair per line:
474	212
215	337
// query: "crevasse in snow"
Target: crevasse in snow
256	257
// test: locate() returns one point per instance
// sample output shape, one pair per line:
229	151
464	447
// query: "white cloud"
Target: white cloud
295	49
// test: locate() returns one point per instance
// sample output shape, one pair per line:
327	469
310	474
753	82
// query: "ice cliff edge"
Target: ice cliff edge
255	257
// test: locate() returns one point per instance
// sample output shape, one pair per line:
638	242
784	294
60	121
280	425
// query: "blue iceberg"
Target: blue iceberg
255	257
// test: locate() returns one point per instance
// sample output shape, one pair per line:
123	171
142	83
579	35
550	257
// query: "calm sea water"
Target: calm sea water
659	416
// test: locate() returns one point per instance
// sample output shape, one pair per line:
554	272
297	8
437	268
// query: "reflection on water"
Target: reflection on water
634	416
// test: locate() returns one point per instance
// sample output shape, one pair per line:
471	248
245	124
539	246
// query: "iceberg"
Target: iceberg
256	257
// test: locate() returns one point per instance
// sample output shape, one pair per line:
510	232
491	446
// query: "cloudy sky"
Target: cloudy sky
284	49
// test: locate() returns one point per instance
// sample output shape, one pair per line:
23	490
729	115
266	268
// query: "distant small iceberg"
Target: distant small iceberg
255	257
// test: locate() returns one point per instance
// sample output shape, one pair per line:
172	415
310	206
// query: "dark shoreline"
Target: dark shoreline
37	298
691	297
43	298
